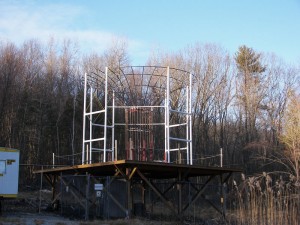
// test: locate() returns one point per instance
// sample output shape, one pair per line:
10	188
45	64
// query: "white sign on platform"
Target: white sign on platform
98	187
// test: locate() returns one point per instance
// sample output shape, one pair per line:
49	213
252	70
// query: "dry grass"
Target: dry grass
259	200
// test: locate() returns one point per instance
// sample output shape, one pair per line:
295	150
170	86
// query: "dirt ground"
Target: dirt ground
47	218
27	209
31	208
52	219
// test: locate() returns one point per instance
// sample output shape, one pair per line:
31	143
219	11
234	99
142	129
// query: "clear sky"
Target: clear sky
270	26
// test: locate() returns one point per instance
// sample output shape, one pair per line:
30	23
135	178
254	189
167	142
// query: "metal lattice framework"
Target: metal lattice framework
139	113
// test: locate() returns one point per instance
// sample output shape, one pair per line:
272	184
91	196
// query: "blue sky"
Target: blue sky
270	26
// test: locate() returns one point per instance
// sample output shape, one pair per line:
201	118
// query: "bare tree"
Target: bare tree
291	135
11	66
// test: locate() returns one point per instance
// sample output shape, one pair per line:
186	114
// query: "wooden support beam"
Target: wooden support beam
197	195
219	210
115	200
222	195
110	195
52	179
55	198
160	195
227	177
179	188
212	204
73	193
120	171
49	178
186	173
207	200
87	193
132	173
80	193
165	192
129	194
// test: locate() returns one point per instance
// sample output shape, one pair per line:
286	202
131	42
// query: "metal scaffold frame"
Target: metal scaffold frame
142	90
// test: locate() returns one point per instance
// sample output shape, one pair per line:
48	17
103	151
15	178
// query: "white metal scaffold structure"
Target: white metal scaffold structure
162	93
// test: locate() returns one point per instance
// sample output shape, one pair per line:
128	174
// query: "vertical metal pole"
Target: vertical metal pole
73	130
187	127
113	129
168	115
179	154
116	150
221	157
91	124
127	144
190	121
166	131
105	114
87	153
53	160
84	119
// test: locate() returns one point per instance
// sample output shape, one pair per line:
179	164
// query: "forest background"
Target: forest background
247	103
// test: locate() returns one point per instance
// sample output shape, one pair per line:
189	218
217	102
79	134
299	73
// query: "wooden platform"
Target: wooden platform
131	171
156	170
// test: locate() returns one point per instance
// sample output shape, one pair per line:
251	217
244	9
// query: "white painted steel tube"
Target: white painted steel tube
84	119
190	121
93	140
187	125
179	139
166	131
168	113
178	125
91	125
92	113
105	114
113	128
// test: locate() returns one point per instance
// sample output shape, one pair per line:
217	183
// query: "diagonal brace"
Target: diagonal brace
160	195
197	195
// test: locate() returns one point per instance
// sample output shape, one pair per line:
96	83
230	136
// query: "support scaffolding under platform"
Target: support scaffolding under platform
126	188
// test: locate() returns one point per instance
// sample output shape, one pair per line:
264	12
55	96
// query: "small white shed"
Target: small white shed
9	172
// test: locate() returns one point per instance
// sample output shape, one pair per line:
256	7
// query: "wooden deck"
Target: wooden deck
156	170
146	172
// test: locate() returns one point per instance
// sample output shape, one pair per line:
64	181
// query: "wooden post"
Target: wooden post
41	186
129	194
179	186
222	197
59	204
87	197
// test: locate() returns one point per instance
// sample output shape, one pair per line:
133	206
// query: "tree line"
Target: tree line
246	103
